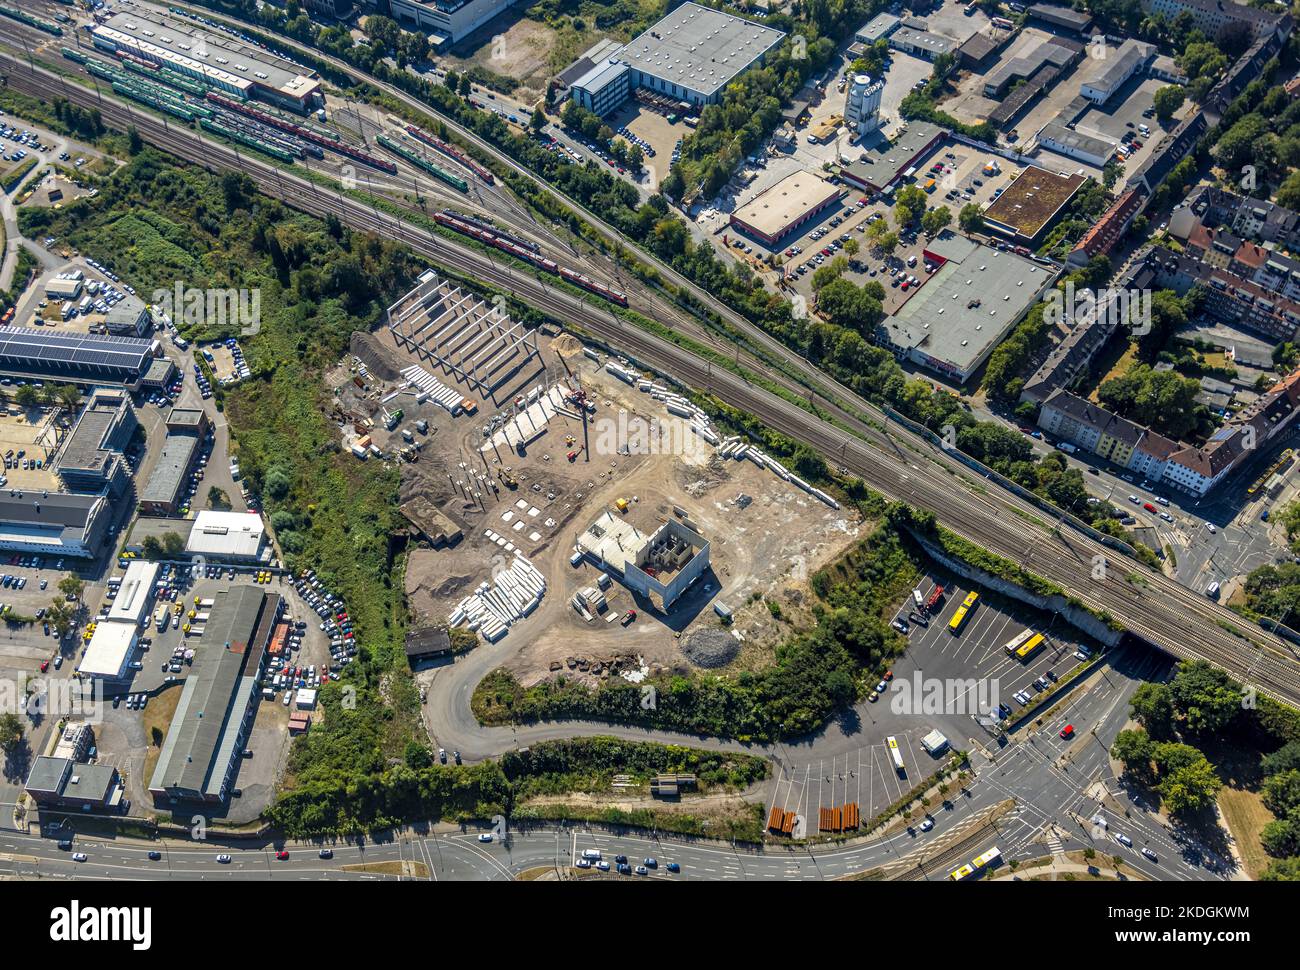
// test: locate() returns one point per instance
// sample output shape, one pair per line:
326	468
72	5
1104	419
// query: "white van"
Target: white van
1212	591
593	854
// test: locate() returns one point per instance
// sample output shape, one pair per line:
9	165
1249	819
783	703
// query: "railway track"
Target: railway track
1165	613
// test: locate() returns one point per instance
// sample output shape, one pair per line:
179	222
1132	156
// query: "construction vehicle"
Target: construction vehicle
507	479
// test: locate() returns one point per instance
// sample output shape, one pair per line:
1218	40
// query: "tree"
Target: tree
1163	400
151	548
1168	99
936	220
1205	697
11	732
134	143
538	121
1283	870
72	585
1281	837
27	396
1190	786
1136	750
466	86
173	544
1283	759
60	617
1152	706
1281	793
971	218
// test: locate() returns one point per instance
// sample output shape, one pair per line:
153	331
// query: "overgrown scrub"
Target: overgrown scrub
589	764
816	672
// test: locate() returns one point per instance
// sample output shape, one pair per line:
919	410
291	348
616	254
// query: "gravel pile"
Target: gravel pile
710	647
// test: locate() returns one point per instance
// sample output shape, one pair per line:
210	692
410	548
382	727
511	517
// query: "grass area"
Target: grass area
407	867
1117	362
157	717
1239	801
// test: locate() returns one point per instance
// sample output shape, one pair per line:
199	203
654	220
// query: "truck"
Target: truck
160	618
934	743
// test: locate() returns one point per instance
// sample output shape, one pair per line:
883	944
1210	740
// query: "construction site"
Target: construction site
573	513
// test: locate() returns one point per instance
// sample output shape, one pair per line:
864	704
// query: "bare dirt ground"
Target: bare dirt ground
766	536
513	46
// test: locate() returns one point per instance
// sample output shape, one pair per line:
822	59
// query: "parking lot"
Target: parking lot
165	659
227	361
940	683
960	179
27	440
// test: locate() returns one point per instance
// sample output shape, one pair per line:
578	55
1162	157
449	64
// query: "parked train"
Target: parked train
333	144
451	152
489	234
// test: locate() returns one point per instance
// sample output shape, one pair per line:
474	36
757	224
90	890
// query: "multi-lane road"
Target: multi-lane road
1037	796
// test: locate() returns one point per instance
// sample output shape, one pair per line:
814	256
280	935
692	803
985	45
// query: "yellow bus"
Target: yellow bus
987	858
963	613
964	872
1030	647
1016	642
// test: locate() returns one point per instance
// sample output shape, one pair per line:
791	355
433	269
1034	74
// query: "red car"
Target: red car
282	855
1148	506
1067	732
45	665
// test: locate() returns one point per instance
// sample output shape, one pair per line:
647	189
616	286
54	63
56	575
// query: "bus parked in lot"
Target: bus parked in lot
895	752
963	613
1023	646
1029	648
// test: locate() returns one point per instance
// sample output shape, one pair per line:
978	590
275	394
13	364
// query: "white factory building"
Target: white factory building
228	537
691	55
134	594
447	20
109	652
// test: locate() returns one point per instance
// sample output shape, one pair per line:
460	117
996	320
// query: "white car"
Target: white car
78	857
485	837
927	825
1210	526
223	859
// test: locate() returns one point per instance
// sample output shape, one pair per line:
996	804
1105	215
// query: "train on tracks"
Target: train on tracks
451	152
529	252
301	131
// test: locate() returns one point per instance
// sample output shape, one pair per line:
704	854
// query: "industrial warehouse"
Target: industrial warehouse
218	700
973	299
791	203
77	357
212	58
691	55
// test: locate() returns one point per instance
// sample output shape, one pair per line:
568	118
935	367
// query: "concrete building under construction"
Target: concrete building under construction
663	563
470	339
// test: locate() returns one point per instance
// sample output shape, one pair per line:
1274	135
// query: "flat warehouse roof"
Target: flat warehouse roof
219	53
110	646
226	533
1033	199
773	210
970	302
700	48
28	345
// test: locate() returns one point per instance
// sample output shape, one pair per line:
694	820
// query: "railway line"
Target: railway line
1170	616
